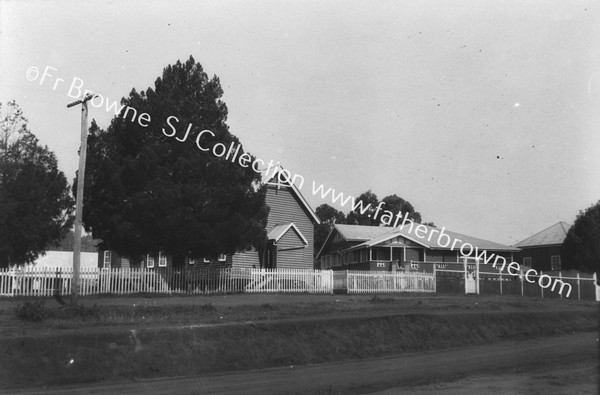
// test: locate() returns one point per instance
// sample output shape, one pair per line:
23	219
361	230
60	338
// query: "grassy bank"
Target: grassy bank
123	353
46	316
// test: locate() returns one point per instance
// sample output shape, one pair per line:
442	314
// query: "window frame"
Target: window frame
108	255
149	258
162	260
552	263
527	261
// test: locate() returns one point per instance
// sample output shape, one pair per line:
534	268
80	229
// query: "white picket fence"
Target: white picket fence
120	281
47	281
44	281
290	280
384	282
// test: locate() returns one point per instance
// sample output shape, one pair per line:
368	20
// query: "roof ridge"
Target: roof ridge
297	192
544	230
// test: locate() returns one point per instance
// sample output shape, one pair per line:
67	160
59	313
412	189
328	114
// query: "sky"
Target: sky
483	114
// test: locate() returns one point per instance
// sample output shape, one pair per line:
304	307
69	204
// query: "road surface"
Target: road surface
384	375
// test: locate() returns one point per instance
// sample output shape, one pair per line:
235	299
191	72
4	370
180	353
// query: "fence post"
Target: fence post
347	282
465	266
539	282
578	288
434	279
597	287
500	282
560	278
522	279
477	273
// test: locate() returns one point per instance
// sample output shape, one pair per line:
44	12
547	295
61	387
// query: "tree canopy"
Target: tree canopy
88	244
581	247
369	203
35	204
150	188
396	204
328	216
391	204
365	213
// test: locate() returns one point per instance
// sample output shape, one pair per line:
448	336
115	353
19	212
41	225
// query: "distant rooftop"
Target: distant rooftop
373	235
552	235
382	234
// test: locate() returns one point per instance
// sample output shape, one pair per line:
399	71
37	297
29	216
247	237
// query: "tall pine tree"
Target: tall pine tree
145	191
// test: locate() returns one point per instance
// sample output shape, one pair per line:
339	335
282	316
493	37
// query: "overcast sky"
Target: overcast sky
483	114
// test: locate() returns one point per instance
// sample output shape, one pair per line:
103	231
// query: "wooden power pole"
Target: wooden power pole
79	198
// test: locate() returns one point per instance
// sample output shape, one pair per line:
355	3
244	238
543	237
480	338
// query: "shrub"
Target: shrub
31	311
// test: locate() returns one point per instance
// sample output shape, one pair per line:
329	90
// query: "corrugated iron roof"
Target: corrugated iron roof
552	235
380	237
361	232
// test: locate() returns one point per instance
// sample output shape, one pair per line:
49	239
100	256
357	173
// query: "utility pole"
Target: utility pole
79	199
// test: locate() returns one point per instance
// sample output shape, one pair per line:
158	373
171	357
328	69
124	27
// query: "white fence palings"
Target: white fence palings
44	281
121	281
385	282
33	281
290	280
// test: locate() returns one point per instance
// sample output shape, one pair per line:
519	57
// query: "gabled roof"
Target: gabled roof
390	235
296	192
278	231
382	234
355	233
482	244
552	235
361	232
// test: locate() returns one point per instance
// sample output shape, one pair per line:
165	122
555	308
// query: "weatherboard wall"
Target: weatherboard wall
290	252
285	208
541	257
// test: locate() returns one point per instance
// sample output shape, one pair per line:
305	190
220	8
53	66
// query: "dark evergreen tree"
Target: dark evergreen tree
88	244
146	190
369	204
368	215
581	247
328	216
35	204
395	204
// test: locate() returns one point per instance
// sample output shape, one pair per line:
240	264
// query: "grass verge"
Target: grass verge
125	354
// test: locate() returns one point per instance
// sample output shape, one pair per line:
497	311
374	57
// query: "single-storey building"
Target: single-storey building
290	239
358	247
543	250
64	259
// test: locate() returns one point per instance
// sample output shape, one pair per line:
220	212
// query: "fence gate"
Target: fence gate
471	266
470	284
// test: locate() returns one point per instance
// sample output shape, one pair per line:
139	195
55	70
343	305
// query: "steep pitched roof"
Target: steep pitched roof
278	231
552	235
295	192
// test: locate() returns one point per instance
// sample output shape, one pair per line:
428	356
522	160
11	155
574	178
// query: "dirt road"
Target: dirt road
384	374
